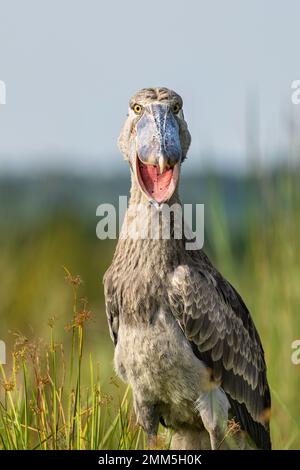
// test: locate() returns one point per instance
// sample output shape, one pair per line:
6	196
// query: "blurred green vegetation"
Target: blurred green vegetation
252	236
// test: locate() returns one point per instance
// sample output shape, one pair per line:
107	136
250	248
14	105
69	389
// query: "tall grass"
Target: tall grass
48	401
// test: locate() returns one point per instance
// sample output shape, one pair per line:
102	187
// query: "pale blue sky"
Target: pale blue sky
70	67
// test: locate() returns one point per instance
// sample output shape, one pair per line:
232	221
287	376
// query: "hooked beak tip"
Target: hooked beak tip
162	163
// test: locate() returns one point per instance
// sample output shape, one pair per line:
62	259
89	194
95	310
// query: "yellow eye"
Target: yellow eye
137	108
176	108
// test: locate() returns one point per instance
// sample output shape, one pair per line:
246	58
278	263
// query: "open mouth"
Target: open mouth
156	185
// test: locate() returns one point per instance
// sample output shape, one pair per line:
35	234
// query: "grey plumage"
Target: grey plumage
184	338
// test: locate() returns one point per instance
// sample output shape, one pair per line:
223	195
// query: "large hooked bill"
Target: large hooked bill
158	153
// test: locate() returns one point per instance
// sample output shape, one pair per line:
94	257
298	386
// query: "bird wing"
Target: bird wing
111	307
218	325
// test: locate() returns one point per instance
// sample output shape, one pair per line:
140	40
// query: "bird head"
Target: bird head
155	140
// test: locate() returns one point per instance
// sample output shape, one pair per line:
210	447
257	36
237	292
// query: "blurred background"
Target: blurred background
70	68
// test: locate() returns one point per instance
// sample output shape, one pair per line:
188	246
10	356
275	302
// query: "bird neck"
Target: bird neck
152	229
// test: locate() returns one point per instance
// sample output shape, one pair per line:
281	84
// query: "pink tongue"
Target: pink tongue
155	183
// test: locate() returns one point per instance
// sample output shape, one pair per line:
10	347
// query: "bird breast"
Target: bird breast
157	361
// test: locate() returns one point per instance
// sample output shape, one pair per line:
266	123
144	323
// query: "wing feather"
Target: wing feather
218	325
111	307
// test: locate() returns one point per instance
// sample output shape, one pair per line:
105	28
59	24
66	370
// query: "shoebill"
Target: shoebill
184	339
